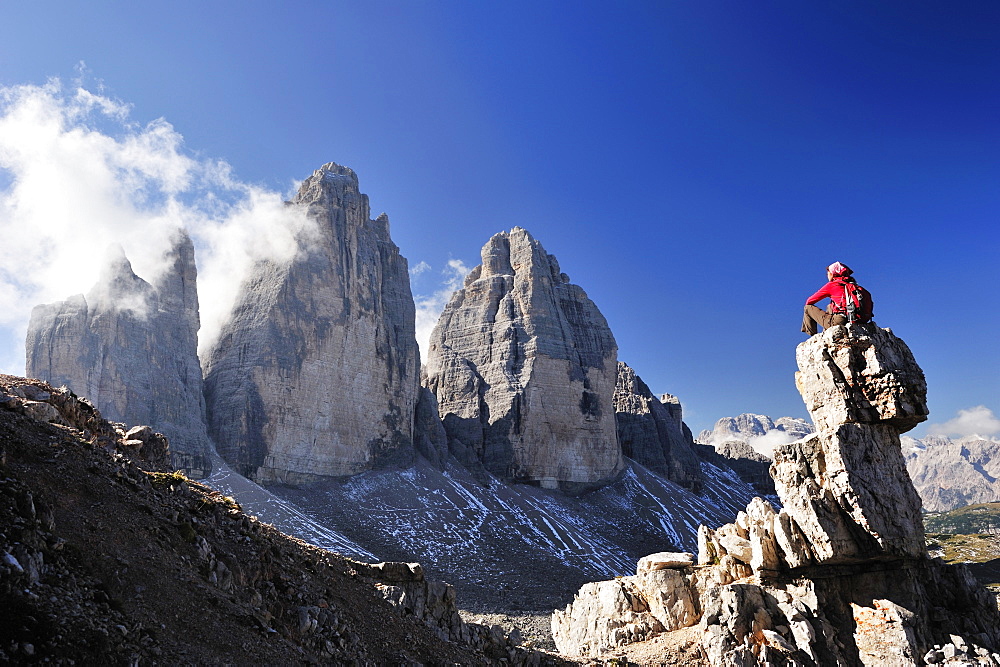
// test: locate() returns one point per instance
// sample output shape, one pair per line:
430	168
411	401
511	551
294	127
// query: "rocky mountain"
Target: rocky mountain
840	574
316	373
745	444
760	432
554	463
524	369
107	559
131	348
950	474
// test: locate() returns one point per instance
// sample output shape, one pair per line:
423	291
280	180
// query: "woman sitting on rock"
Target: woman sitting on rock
838	288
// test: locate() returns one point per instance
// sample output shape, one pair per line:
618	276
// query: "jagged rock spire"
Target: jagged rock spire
838	576
316	373
651	434
131	348
524	366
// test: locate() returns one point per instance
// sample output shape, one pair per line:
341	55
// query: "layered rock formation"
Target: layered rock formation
316	373
838	576
131	348
524	367
651	432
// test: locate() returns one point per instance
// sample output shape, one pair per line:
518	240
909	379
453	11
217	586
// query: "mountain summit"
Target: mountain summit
131	348
316	373
524	368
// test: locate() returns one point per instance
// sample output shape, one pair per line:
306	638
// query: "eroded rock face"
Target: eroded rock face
850	494
650	433
524	367
130	347
316	373
862	375
840	575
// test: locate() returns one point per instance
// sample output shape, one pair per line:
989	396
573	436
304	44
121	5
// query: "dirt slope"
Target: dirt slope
103	563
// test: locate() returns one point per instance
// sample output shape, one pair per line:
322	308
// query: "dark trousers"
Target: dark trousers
813	316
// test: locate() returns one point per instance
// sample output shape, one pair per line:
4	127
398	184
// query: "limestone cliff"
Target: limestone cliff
131	348
652	433
838	576
524	368
316	373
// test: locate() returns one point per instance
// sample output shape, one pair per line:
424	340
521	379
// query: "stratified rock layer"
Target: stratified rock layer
524	367
838	576
131	348
652	433
316	373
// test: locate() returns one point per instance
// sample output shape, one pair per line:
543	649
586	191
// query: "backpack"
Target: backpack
857	301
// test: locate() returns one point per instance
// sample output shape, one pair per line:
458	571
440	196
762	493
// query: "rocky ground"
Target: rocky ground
106	563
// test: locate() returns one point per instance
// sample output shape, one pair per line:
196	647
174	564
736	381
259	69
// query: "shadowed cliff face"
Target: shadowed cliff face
131	348
523	366
316	373
838	575
652	433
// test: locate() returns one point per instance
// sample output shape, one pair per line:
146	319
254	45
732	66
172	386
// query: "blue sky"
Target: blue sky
693	165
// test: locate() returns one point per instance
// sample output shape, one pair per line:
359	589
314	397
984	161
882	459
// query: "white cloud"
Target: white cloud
421	267
979	420
429	307
765	444
77	175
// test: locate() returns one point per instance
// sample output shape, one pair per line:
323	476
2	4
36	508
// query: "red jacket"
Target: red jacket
834	290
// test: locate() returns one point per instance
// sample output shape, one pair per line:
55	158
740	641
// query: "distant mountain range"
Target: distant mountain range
953	473
947	473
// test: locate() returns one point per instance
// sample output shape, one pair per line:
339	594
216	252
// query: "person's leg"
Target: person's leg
811	315
831	319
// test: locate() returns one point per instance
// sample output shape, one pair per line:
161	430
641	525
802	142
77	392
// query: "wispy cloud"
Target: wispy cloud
77	174
429	307
765	444
762	444
979	420
419	269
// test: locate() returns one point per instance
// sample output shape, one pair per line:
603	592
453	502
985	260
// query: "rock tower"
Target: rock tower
523	366
838	576
316	373
652	433
131	348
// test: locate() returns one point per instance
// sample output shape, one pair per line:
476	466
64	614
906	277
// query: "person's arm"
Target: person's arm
823	293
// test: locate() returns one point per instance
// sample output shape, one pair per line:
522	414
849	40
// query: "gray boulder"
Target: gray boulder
838	576
315	374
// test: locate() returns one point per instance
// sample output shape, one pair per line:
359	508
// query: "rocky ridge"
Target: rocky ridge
652	432
131	348
316	373
102	560
840	574
524	369
749	427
